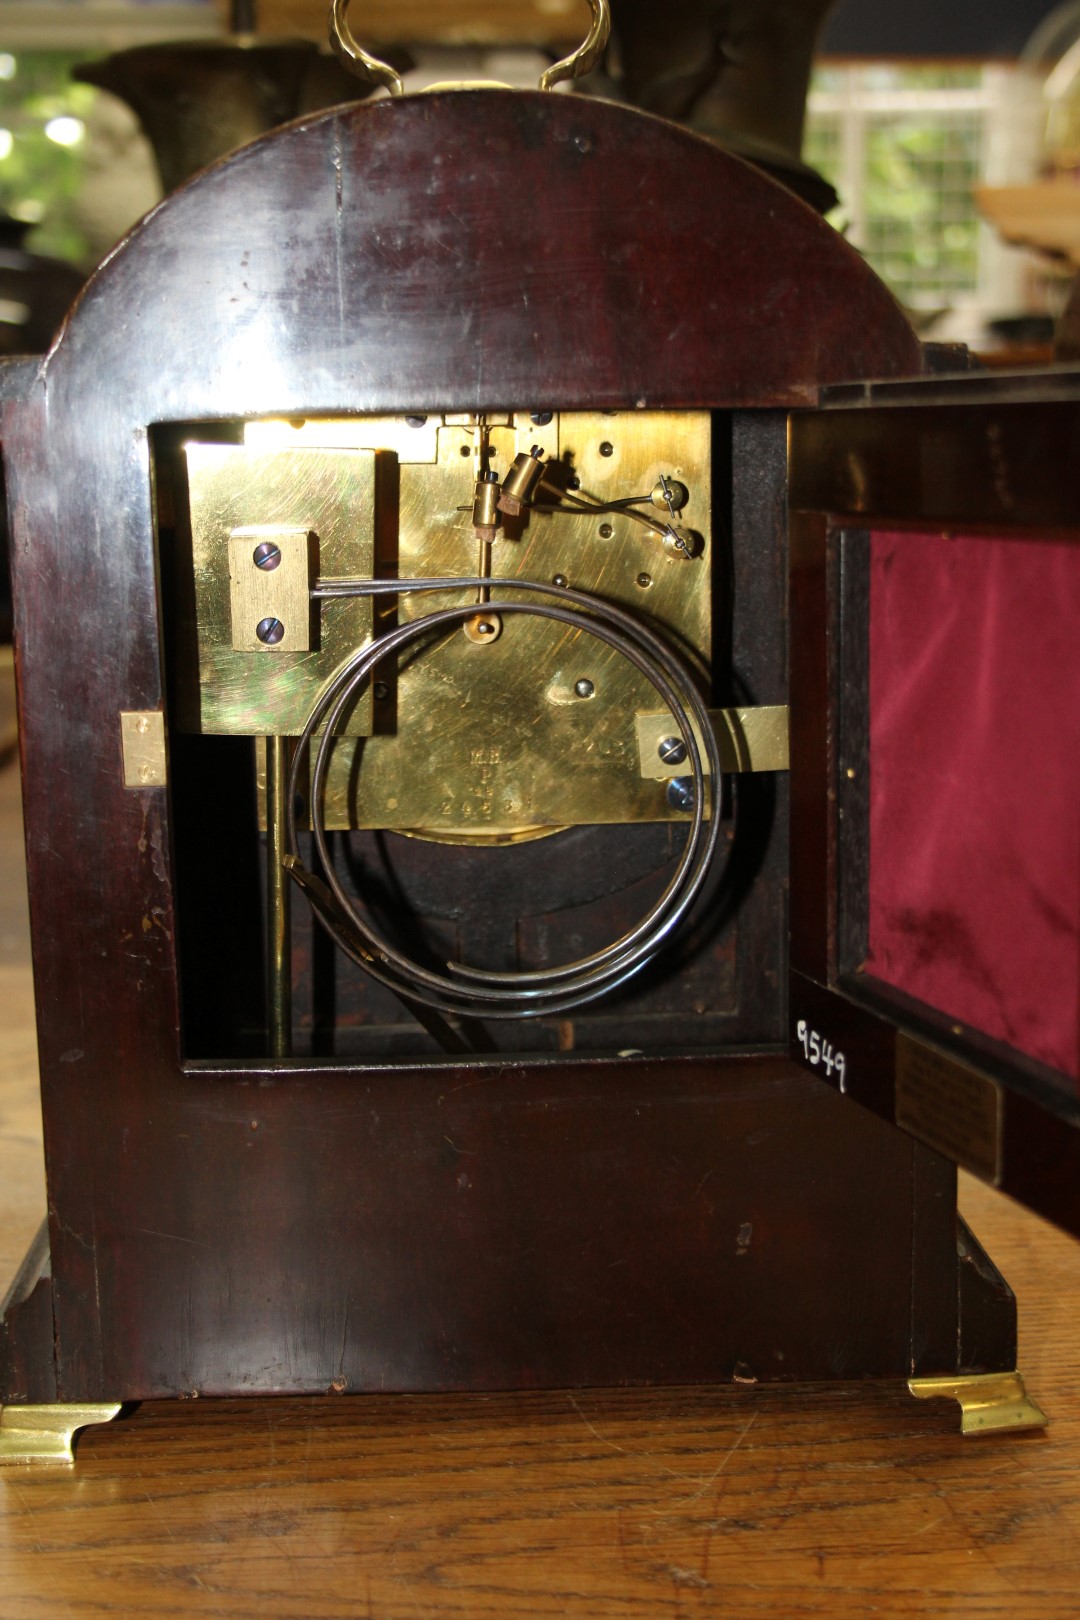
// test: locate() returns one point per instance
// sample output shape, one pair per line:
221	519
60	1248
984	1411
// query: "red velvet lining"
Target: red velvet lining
975	783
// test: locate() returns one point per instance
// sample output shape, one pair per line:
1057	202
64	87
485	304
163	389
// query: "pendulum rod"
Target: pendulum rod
278	931
481	453
483	569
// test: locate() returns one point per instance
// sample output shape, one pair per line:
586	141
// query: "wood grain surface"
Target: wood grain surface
842	1501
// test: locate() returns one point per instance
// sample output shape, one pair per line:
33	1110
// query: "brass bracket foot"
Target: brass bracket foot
989	1402
46	1434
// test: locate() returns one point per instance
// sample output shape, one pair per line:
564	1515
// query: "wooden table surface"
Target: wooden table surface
840	1501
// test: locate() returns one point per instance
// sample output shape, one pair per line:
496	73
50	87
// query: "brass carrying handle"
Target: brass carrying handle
354	57
357	60
587	54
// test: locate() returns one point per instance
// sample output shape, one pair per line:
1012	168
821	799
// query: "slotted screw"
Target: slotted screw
266	555
680	793
269	631
672	750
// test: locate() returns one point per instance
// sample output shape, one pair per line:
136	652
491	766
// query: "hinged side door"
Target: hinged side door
935	755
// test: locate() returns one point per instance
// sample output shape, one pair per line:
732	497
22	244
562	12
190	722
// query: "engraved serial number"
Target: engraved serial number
485	776
816	1049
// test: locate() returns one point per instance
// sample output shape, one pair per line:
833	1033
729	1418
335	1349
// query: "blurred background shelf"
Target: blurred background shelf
1043	215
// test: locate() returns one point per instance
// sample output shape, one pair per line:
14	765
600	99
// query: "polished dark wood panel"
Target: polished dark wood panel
476	249
27	1362
580	1224
826	1500
812	748
972	462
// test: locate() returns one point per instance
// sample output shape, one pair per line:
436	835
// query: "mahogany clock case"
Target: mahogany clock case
222	1223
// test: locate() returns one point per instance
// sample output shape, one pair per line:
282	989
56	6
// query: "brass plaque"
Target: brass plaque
949	1106
142	742
328	494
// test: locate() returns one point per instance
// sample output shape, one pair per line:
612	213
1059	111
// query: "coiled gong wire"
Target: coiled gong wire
464	991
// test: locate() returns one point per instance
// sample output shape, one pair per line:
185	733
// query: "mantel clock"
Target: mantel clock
461	576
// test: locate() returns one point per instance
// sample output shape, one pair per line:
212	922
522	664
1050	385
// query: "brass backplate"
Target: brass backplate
492	740
327	500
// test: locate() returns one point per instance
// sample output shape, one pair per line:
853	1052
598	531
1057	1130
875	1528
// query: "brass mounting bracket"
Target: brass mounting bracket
752	739
990	1403
142	742
45	1435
